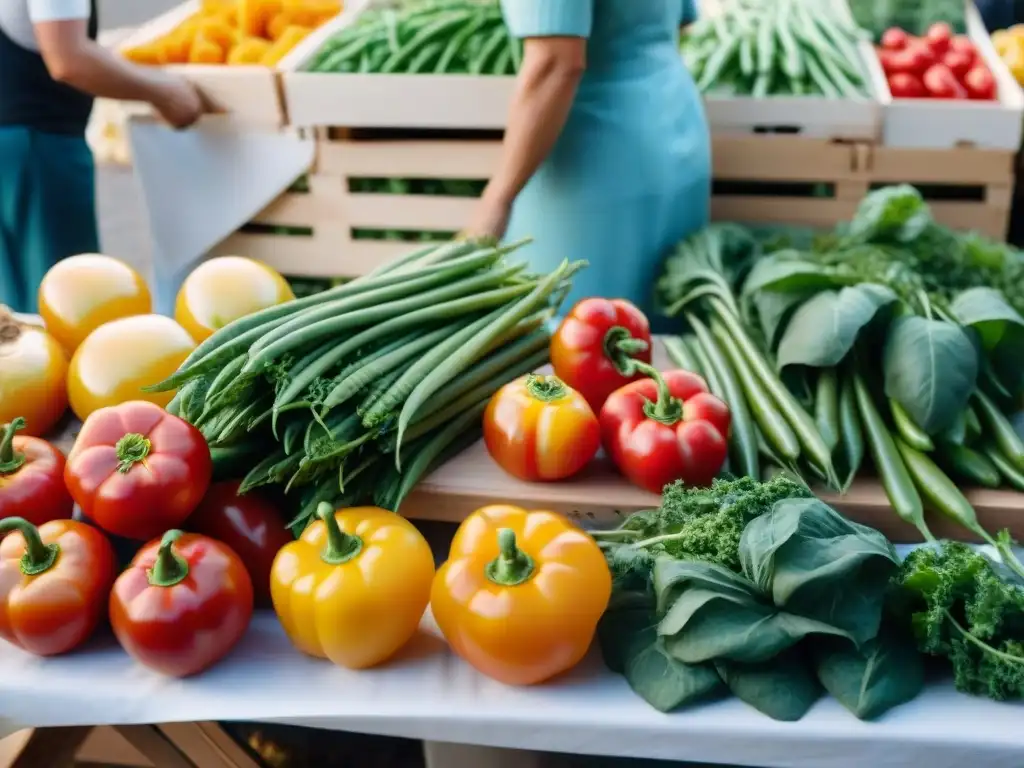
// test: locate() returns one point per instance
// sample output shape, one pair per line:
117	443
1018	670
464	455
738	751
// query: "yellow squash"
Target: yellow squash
354	587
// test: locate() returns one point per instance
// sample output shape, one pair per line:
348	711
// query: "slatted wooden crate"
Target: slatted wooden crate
758	180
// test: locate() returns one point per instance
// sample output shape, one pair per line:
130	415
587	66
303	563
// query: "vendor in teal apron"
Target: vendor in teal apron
607	152
50	70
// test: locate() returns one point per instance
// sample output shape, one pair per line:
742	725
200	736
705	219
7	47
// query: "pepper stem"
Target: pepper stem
131	449
547	389
666	409
11	460
620	347
170	568
39	557
341	547
512	566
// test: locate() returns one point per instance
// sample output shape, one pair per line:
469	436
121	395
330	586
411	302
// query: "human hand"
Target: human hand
179	103
490	218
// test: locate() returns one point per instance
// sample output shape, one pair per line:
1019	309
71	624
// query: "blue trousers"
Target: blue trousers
47	208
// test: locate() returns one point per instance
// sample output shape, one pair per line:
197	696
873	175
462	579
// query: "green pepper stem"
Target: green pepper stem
131	449
10	460
341	547
666	409
39	557
512	566
170	568
547	389
621	347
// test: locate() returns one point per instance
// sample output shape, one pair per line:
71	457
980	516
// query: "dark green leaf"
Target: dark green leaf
784	688
987	312
819	565
673	577
786	272
896	214
886	672
931	369
774	310
662	681
823	329
629	614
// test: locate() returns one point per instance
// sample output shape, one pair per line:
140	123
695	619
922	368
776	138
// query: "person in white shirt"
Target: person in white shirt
50	69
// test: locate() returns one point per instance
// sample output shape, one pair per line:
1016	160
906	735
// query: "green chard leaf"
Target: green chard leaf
892	214
885	672
787	272
823	330
774	309
806	556
1000	329
784	688
931	369
663	681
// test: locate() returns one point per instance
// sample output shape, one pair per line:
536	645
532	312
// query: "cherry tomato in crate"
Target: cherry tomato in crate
895	39
941	83
980	84
904	85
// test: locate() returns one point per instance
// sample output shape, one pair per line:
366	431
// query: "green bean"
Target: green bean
440	29
681	356
232	461
972	424
294	433
464	355
774	427
743	437
885	452
968	464
826	406
851	432
458	41
1006	468
1001	430
491	50
911	434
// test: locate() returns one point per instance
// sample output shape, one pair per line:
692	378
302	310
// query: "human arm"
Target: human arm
554	59
61	32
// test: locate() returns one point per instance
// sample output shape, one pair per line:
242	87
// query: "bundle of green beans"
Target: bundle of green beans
431	37
776	48
352	395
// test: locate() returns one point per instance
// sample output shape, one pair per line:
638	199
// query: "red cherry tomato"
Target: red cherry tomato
959	63
941	83
963	44
980	84
182	605
914	59
249	524
904	85
938	37
895	39
31	478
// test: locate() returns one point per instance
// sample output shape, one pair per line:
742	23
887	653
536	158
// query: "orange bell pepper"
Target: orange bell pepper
291	37
219	32
354	587
521	593
54	583
205	51
248	51
254	15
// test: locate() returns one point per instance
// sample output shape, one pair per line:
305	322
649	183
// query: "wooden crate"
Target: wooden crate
759	180
943	124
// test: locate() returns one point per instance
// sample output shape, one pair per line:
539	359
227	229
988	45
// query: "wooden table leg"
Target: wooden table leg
207	745
48	748
155	746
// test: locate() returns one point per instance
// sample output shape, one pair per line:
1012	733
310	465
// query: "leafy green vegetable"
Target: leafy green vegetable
894	214
784	688
931	369
970	611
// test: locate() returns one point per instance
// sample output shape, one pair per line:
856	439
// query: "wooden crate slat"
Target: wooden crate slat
410	212
292	209
985	219
930	166
409	159
780	158
821	213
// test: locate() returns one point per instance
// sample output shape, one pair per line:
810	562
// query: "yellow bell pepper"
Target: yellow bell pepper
1011	51
354	587
521	593
248	51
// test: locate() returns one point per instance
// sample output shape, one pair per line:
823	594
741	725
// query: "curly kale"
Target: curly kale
694	524
967	609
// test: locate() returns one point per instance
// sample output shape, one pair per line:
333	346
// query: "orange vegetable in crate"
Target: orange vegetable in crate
249	51
521	593
33	375
291	37
224	289
177	47
121	357
81	293
206	51
219	32
255	15
281	21
150	54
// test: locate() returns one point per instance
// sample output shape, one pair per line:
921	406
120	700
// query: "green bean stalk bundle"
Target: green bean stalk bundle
861	358
777	48
441	37
352	395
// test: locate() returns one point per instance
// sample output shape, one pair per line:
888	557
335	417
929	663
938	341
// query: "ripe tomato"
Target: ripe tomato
959	63
121	357
904	85
225	289
81	293
941	83
980	83
963	44
33	376
895	39
537	428
938	37
249	524
31	478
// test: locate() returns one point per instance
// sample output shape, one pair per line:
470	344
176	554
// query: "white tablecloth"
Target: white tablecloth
428	694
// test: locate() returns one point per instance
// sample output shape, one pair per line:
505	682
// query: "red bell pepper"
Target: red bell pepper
182	605
664	428
32	478
136	470
593	346
249	524
54	583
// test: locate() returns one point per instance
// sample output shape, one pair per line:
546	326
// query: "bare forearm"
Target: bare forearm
538	114
101	73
